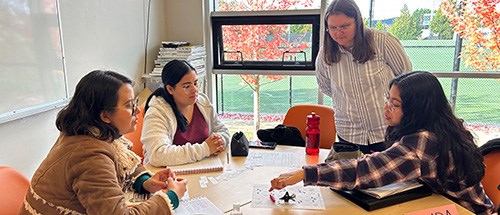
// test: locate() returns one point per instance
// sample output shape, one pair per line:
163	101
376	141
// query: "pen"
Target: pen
271	197
227	157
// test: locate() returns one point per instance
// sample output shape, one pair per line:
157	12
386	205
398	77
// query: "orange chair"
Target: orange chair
491	179
13	186
297	115
135	136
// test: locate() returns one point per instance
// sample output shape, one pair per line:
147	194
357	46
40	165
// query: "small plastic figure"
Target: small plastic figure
287	197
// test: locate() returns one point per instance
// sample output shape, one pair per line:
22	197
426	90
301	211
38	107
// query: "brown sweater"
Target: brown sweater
83	175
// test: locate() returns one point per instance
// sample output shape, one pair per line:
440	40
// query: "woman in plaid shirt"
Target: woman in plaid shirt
428	143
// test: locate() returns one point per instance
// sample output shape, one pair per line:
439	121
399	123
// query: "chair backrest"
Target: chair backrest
13	188
491	179
297	115
135	136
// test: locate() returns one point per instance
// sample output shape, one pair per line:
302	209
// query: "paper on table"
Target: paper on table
391	189
198	205
305	198
272	158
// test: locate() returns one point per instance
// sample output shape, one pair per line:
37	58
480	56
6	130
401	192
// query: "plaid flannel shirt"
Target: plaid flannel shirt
413	157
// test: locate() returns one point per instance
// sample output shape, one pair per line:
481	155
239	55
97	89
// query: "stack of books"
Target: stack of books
170	50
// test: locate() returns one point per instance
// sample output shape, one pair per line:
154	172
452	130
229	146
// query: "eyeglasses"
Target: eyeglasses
133	105
340	28
392	107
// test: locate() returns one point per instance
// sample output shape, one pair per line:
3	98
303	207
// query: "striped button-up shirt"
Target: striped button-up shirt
413	157
357	89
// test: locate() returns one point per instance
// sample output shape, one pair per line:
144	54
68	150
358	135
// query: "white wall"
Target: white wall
97	34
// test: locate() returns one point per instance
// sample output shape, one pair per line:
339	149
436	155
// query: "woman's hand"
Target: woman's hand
215	144
286	179
158	181
178	185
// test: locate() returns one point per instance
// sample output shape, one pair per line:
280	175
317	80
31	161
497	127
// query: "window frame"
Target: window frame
219	19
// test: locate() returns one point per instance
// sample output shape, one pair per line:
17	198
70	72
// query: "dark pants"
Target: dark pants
367	149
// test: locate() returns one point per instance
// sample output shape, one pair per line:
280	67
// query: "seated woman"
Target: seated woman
428	144
180	124
90	166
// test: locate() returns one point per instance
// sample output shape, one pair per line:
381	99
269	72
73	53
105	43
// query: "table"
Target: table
240	189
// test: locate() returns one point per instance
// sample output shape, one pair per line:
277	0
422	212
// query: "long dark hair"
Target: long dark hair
171	74
425	107
96	92
362	50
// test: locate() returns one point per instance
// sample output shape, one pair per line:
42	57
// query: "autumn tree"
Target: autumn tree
405	26
262	42
477	23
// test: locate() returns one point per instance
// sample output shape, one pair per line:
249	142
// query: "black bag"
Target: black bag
283	135
239	144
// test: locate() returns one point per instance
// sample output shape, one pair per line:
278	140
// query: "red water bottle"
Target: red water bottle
312	134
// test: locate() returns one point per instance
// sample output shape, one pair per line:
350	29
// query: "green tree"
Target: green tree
418	14
405	26
298	29
380	26
441	26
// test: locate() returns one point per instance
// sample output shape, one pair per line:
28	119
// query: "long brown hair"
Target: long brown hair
362	50
95	92
425	107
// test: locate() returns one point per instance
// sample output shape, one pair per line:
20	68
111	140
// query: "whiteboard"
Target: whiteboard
31	60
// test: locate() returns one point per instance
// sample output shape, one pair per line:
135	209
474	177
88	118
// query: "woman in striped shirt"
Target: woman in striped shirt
354	67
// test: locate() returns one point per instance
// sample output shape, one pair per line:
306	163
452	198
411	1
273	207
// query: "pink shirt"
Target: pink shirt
196	132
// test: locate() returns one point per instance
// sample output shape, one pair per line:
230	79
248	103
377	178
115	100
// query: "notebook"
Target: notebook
391	189
198	205
209	164
370	203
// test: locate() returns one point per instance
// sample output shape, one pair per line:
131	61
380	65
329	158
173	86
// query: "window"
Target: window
270	40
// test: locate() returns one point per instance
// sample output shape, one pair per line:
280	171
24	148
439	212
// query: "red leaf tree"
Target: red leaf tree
477	22
261	42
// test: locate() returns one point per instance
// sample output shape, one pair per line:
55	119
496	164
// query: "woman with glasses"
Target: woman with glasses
353	67
91	166
429	144
180	124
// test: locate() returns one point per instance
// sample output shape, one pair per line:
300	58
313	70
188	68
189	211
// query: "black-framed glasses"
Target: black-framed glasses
133	104
340	28
392	107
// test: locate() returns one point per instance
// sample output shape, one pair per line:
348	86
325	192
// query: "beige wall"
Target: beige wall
184	20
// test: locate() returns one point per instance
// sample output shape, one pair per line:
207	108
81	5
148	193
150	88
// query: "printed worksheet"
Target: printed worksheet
265	158
299	197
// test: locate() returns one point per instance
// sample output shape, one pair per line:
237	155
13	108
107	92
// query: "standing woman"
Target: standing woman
354	67
180	124
90	166
430	145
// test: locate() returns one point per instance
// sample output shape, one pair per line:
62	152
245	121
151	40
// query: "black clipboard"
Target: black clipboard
370	203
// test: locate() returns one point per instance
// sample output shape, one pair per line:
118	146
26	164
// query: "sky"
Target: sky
384	9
